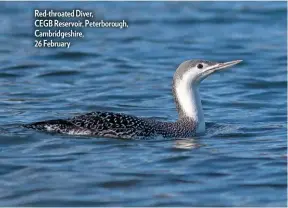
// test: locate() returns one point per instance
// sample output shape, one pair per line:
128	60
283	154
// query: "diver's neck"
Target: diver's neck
189	104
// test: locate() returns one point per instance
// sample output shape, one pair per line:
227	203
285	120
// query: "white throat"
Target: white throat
190	103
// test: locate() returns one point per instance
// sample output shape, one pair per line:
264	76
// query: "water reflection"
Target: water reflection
189	143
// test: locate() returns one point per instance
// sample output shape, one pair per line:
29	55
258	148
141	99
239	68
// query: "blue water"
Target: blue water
240	161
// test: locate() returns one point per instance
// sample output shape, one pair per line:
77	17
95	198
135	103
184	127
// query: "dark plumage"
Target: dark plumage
115	125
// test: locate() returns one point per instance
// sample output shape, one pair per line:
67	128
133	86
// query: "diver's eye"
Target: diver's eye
200	66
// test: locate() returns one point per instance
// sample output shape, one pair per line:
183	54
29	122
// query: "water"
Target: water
240	161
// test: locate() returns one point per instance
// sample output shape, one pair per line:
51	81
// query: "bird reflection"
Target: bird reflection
186	144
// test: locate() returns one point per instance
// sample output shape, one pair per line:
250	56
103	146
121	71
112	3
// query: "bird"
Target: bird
185	89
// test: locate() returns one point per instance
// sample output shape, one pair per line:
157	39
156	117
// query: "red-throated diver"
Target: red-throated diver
186	81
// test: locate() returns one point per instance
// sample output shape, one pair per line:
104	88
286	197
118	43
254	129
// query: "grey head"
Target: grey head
186	81
197	70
